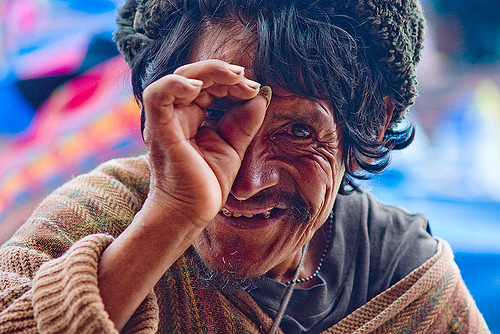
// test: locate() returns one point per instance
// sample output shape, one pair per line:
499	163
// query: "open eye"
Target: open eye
301	130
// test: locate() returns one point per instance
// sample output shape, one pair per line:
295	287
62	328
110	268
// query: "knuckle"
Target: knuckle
183	68
216	64
150	95
200	67
162	89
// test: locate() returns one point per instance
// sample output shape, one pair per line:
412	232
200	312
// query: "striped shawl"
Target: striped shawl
48	276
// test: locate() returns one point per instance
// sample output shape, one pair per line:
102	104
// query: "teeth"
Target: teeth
228	213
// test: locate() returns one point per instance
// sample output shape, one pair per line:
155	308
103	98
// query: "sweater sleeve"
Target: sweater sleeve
61	296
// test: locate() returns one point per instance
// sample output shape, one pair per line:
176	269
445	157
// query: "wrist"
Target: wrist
162	208
161	220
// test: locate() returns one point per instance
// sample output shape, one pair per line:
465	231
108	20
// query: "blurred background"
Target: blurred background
66	106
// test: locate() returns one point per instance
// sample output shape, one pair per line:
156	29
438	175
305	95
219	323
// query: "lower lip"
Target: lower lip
244	223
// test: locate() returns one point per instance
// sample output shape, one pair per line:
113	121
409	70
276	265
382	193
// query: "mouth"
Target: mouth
251	219
265	214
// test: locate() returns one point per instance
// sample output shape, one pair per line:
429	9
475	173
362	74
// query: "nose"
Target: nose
256	172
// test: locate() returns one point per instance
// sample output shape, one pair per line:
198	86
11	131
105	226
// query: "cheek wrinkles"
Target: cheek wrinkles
317	160
330	147
331	160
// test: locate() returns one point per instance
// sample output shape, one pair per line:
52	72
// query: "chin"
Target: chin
225	277
225	262
231	251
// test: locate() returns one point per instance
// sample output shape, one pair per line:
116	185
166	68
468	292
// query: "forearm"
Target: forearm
132	265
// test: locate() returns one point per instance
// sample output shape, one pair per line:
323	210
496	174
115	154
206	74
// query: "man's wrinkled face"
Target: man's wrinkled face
286	186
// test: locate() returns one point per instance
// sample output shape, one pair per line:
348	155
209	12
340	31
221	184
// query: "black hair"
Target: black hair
311	48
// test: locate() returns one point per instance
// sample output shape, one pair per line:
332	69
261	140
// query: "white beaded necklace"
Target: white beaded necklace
325	251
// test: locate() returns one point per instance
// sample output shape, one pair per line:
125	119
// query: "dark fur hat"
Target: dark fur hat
393	30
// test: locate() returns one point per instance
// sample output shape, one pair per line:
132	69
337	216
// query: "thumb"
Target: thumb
239	126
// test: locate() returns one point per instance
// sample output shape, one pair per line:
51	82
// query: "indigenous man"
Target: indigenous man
243	216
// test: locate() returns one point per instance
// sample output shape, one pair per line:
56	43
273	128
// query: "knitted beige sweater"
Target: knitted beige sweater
48	276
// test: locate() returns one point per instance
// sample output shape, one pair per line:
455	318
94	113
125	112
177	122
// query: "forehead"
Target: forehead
232	44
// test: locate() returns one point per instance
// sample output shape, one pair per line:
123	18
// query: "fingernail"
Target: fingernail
251	83
194	82
235	68
267	93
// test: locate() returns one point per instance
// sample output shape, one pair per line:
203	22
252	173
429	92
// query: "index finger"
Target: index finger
212	71
239	126
220	79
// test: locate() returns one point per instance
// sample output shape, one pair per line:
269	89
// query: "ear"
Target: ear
389	110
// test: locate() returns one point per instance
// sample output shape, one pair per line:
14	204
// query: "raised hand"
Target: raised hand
194	162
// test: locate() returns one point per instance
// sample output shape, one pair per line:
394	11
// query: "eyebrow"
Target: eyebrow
315	117
283	96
